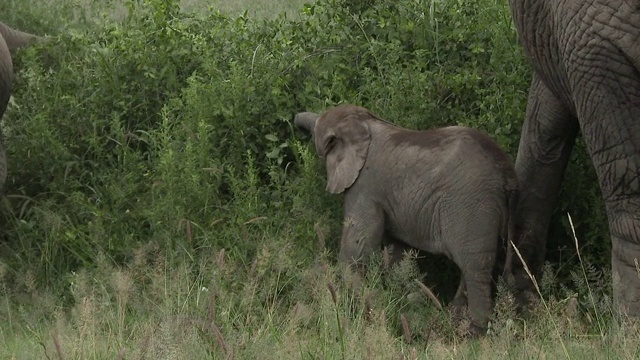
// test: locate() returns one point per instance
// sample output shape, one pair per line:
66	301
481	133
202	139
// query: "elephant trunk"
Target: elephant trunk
357	253
306	121
16	39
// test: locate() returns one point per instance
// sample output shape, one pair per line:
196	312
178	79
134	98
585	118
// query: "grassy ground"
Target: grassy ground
274	310
164	208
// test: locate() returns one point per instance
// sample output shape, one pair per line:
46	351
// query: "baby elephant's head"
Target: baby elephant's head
342	137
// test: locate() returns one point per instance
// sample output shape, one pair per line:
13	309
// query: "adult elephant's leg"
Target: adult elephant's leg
3	165
623	211
624	224
547	138
611	129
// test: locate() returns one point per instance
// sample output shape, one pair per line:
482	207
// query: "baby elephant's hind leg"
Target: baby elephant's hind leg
474	248
478	285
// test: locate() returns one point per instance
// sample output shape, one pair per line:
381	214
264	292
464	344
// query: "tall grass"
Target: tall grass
221	308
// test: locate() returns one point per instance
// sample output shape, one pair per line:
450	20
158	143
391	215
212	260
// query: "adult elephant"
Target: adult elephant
586	58
10	40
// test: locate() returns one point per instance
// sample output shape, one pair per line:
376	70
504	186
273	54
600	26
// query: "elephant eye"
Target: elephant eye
329	143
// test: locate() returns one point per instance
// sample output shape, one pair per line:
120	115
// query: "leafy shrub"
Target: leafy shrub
174	128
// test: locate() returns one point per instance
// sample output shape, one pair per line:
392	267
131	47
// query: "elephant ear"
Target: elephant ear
345	150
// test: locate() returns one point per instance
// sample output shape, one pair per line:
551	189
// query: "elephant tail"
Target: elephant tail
512	210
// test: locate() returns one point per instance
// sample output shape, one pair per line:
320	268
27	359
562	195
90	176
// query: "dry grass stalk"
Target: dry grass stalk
254	220
56	343
535	285
204	326
87	323
386	257
321	234
216	221
584	273
252	270
123	285
187	226
430	295
223	343
212	304
406	330
220	260
332	290
212	323
427	337
368	315
145	345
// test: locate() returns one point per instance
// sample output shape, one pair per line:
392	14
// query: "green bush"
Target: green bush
174	128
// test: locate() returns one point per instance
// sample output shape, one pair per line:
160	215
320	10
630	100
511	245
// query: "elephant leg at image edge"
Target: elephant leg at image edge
625	262
548	135
3	164
613	140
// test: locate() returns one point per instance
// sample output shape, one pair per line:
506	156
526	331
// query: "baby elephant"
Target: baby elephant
449	191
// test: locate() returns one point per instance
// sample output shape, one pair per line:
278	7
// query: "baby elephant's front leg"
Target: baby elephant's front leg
362	230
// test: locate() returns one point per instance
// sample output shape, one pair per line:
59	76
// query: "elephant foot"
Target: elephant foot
458	307
458	313
476	331
523	289
464	326
526	299
626	279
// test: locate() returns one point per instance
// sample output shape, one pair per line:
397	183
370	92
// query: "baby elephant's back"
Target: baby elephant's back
492	152
453	158
466	183
481	188
475	158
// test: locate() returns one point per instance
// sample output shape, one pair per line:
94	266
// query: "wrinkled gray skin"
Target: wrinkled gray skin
446	191
586	60
10	41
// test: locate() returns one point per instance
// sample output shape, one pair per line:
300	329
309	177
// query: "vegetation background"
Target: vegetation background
160	204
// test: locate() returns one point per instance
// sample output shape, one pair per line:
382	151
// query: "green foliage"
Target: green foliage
149	140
